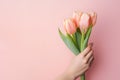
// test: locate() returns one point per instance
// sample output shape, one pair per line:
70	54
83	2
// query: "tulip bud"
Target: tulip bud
69	26
76	17
85	22
93	16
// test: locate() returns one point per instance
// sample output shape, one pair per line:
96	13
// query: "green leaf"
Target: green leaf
73	36
87	35
78	38
69	42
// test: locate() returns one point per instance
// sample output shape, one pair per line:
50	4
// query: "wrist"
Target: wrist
68	75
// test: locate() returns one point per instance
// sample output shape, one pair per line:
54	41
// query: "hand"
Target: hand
79	65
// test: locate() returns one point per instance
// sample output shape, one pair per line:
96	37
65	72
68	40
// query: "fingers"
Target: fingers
85	52
85	68
89	55
88	64
90	60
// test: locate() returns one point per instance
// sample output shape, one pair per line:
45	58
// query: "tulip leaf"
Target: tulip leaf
78	38
74	38
87	35
69	42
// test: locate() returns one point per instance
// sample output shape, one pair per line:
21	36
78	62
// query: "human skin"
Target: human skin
79	65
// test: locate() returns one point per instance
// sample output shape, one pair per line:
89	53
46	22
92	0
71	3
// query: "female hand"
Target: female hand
79	65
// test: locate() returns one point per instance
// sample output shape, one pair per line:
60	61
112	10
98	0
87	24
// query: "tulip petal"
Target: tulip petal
76	17
93	16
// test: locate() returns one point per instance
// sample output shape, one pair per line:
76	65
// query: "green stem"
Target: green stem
83	77
82	48
82	41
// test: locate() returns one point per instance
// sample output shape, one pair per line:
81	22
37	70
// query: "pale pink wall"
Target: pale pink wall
31	49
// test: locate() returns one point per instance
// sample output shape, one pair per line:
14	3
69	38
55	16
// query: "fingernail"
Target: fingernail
91	44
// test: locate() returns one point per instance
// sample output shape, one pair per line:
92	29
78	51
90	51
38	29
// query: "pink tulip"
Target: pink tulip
93	16
76	17
85	22
69	26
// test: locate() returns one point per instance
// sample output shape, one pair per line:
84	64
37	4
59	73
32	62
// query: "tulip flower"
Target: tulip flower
84	22
76	17
69	26
93	16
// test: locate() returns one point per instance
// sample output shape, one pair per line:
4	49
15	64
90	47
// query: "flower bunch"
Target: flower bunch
78	29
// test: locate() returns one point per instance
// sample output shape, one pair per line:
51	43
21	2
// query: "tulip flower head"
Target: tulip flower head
76	17
93	16
84	22
69	26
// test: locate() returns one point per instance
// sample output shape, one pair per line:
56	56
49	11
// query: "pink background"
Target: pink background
30	46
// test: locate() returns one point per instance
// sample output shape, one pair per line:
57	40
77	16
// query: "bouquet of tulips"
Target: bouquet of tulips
78	30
